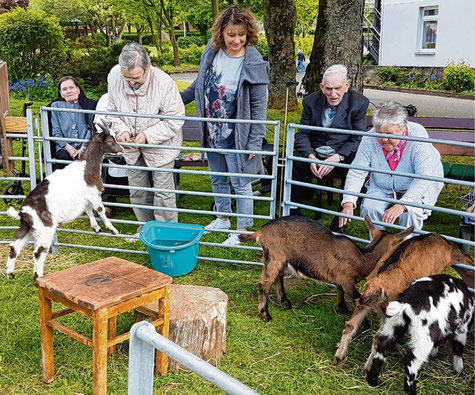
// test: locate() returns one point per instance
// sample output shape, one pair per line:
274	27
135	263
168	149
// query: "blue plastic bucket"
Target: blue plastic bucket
173	247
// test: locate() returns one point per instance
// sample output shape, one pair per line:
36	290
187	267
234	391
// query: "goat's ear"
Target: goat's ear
404	233
369	224
104	127
375	233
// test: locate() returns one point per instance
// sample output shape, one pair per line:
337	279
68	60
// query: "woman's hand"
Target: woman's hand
141	138
81	152
348	209
251	156
73	152
393	213
125	138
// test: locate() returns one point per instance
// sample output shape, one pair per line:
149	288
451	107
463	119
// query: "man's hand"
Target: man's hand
347	209
393	213
324	170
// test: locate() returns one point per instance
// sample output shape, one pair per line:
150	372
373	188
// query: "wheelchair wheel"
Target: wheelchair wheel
13	189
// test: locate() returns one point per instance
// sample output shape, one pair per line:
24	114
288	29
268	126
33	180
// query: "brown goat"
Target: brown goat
317	253
420	256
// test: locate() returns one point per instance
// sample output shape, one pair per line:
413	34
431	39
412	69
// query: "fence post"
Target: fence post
141	360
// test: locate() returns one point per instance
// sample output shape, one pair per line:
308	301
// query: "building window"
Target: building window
428	27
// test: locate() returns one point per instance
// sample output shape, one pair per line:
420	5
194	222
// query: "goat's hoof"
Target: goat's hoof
97	229
115	231
373	382
287	305
11	276
339	361
266	317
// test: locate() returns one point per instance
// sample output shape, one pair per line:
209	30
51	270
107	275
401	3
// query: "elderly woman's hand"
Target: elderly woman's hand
392	213
347	209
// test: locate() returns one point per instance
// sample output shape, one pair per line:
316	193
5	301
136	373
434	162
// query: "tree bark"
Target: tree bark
215	7
338	39
279	24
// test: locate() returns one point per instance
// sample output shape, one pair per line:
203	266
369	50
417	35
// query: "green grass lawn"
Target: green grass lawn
292	354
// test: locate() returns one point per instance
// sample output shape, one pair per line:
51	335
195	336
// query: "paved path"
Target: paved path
427	105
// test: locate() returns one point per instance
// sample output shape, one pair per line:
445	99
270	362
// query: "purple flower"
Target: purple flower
30	82
432	77
411	77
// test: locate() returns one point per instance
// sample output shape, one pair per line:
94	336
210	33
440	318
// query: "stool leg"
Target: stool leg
47	354
161	359
111	332
99	352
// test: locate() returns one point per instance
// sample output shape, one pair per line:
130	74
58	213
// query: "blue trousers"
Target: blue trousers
375	210
228	163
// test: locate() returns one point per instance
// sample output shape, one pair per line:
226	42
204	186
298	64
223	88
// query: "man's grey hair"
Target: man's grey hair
336	68
390	112
134	55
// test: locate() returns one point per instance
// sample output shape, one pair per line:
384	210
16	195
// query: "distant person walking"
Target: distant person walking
300	61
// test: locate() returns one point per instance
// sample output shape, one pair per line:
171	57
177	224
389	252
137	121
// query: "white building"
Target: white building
429	33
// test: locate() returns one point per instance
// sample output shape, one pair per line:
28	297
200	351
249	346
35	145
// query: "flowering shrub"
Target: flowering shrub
459	77
32	89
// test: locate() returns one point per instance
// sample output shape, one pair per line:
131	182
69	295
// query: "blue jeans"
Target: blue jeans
228	163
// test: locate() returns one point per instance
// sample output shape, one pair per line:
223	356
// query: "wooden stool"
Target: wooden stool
198	318
101	290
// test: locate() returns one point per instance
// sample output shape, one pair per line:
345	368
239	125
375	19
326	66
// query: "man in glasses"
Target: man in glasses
135	86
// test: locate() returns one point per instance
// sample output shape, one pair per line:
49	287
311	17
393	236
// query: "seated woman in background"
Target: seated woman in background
72	125
396	155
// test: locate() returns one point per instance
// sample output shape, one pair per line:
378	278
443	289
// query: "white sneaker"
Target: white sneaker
218	223
232	240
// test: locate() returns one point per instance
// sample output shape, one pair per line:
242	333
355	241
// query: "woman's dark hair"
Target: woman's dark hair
82	95
234	15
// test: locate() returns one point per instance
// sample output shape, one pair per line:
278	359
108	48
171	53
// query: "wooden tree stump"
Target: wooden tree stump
198	317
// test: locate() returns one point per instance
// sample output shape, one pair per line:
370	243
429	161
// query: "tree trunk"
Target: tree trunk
215	6
198	318
338	39
279	24
176	55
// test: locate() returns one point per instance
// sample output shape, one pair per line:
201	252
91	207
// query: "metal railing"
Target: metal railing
288	181
144	340
269	200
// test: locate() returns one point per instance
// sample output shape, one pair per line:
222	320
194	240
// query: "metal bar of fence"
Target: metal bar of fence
382	135
144	340
382	199
159	116
31	148
391	172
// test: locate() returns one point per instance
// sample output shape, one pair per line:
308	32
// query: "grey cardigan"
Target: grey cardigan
251	103
417	158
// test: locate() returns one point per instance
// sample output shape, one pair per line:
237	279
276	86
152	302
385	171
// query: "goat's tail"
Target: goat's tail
11	212
249	238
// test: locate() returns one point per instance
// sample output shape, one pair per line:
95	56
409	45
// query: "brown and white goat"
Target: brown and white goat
315	252
60	198
420	256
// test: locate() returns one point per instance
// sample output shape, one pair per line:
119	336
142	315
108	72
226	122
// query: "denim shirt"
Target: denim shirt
66	124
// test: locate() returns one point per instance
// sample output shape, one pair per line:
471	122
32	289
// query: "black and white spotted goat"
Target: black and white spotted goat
430	310
60	198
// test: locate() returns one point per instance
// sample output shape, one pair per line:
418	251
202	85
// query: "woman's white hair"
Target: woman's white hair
390	112
336	68
134	55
